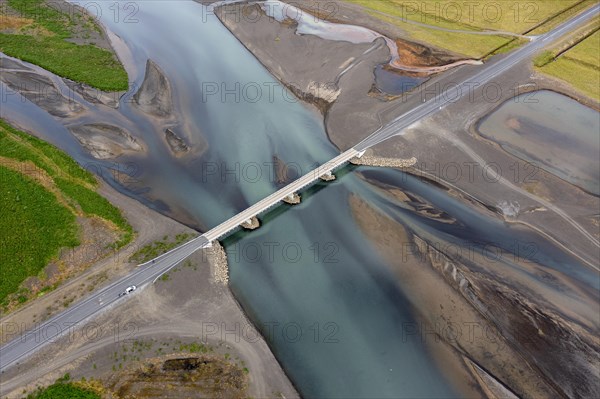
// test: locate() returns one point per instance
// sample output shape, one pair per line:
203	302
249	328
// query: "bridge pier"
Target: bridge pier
251	224
328	176
293	199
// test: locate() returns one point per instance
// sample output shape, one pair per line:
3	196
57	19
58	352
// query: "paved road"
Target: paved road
21	347
484	75
49	331
276	197
64	322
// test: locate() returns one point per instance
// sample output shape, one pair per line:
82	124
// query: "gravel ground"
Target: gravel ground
191	304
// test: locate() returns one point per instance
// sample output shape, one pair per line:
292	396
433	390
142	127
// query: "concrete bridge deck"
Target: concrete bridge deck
277	197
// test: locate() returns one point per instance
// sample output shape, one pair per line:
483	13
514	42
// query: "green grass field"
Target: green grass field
34	227
579	66
61	390
37	221
587	51
91	203
508	16
552	23
45	44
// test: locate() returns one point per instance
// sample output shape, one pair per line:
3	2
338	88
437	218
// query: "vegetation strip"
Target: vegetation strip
62	388
577	65
446	18
42	192
42	37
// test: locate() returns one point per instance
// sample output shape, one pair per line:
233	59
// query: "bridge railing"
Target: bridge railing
273	199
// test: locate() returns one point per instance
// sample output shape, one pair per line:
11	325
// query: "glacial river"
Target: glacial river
325	300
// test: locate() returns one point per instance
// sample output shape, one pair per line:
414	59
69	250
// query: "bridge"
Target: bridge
275	198
205	240
26	343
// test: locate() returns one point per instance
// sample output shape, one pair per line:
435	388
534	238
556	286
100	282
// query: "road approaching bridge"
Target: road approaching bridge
482	76
26	343
275	198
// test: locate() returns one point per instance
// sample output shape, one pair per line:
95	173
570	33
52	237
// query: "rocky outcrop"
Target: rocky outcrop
321	95
217	257
105	141
154	96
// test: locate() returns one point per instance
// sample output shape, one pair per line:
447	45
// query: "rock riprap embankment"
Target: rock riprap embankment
370	160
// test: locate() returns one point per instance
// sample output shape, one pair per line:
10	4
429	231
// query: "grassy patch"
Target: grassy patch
543	58
48	17
509	46
89	64
514	17
92	203
34	228
579	66
195	347
580	76
62	390
479	45
21	146
561	17
37	220
151	251
508	16
14	23
587	51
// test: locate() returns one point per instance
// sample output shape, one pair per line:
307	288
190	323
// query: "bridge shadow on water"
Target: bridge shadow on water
273	213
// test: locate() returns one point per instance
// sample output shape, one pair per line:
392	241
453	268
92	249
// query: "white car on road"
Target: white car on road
128	290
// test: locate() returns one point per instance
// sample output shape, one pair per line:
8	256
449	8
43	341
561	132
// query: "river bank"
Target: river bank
113	151
339	87
62	38
474	286
192	304
188	313
353	113
450	152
